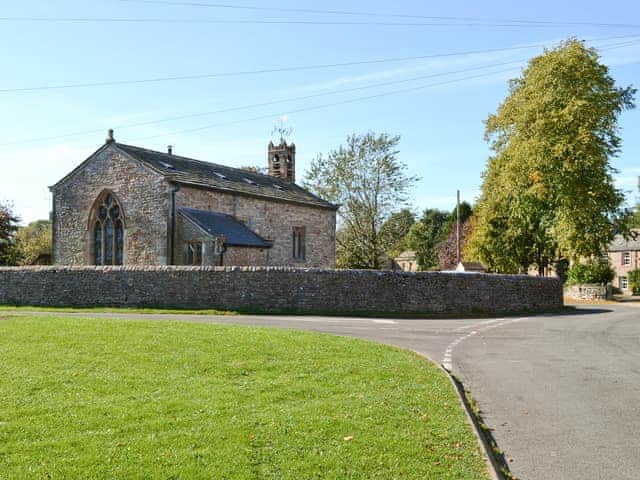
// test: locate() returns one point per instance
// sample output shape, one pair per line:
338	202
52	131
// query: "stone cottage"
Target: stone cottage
126	205
624	256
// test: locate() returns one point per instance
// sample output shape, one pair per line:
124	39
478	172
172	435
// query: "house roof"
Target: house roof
620	244
210	175
216	224
406	255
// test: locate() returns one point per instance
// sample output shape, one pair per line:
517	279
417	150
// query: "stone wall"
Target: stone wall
588	291
273	221
273	289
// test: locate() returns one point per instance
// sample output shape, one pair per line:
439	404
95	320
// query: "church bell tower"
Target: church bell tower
282	161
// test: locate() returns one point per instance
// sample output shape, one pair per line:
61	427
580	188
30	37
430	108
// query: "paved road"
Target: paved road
562	393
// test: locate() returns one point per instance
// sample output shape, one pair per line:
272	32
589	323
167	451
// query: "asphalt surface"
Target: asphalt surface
561	393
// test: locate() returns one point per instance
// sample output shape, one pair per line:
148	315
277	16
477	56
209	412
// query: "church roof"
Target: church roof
215	223
197	172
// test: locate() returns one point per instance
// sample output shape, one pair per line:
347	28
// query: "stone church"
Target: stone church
126	205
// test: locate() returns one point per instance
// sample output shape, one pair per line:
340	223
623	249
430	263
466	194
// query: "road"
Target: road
561	392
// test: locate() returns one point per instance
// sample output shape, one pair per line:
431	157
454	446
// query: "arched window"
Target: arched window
108	232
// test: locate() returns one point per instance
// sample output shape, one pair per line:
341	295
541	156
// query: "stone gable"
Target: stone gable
144	198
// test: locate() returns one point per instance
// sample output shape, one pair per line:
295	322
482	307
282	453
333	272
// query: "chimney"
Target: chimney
282	161
170	149
110	138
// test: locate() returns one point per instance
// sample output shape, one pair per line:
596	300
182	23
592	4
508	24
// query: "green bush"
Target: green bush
634	281
592	271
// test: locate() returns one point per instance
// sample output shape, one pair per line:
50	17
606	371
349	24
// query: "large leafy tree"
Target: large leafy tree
548	190
33	241
368	180
8	228
425	236
394	232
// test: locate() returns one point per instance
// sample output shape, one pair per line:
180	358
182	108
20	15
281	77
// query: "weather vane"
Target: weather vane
281	130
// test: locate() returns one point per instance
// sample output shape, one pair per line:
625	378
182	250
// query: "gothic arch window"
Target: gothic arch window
107	231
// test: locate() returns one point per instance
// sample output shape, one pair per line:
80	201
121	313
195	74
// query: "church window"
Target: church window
299	247
194	253
108	233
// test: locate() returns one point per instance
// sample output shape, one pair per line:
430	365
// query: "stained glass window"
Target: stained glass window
108	238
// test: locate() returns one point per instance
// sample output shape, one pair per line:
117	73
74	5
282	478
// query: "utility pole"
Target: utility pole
458	228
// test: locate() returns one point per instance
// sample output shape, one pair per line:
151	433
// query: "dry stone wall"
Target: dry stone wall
277	290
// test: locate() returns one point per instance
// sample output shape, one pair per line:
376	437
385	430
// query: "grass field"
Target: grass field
98	399
11	308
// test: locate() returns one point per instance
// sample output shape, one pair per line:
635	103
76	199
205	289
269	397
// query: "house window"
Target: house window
299	247
194	253
108	232
626	258
623	283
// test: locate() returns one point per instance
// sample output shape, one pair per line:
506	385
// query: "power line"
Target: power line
291	99
326	105
371	14
269	103
344	102
283	69
125	20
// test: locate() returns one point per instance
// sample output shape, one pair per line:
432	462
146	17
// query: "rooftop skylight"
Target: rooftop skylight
168	166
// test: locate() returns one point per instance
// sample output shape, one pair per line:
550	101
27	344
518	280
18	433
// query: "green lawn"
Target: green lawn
82	398
11	308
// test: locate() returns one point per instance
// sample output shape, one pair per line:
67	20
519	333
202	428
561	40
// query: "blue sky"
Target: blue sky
441	125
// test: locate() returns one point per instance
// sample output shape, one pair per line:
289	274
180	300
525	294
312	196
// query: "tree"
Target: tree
448	249
425	236
548	189
8	228
466	210
594	270
366	178
634	220
394	232
33	241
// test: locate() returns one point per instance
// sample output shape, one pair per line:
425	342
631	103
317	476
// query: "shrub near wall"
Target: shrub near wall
634	281
277	290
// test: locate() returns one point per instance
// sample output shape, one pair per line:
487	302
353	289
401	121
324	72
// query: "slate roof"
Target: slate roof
220	177
619	244
216	223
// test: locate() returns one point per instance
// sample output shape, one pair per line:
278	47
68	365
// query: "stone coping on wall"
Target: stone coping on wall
183	268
